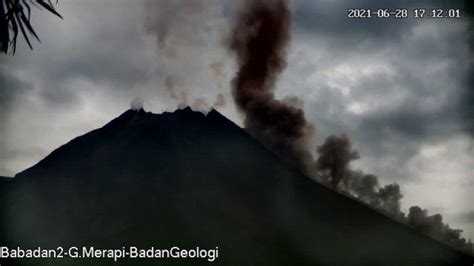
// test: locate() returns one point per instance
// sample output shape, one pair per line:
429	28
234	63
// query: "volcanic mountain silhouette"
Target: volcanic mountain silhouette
187	179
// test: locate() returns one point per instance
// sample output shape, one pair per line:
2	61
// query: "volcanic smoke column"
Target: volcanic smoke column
259	39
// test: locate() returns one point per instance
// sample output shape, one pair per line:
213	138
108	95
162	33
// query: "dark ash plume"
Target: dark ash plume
433	226
259	39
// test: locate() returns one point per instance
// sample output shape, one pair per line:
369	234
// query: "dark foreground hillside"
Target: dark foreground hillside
185	179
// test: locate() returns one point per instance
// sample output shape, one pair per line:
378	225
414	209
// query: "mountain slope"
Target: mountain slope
4	182
185	179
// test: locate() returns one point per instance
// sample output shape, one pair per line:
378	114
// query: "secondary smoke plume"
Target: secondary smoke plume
174	20
259	40
183	30
219	101
176	91
200	105
137	104
218	71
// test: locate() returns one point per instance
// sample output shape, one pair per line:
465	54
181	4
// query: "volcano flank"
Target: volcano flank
186	179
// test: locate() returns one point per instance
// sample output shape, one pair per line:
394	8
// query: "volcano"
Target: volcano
187	179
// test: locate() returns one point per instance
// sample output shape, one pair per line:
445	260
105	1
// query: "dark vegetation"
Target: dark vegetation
15	19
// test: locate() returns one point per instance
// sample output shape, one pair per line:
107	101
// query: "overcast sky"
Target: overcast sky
397	87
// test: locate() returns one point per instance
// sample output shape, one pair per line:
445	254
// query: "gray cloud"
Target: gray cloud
467	217
12	89
107	49
329	19
382	81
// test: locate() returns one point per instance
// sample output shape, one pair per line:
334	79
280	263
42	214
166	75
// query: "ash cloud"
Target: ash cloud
259	39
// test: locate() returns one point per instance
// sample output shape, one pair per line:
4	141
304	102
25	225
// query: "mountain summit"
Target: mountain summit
186	179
